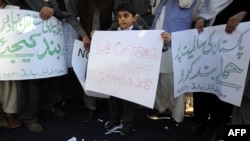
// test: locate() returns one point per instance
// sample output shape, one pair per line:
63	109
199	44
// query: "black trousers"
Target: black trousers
36	95
122	110
206	105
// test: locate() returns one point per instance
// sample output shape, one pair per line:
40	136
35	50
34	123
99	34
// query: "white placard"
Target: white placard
30	48
214	61
79	63
125	64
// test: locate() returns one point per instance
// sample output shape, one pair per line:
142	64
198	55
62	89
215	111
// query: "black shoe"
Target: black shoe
219	133
198	128
125	131
66	103
91	115
53	112
111	124
33	126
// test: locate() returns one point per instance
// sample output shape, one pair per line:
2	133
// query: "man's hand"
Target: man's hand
233	21
2	4
46	12
65	14
86	42
199	25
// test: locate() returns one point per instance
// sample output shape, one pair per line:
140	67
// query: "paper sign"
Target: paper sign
213	62
30	48
125	64
79	63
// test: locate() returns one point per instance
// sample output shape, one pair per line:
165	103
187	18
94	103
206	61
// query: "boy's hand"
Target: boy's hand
166	37
46	12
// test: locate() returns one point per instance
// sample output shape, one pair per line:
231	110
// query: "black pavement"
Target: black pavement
72	126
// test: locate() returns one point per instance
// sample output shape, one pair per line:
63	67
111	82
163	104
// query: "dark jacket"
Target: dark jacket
85	10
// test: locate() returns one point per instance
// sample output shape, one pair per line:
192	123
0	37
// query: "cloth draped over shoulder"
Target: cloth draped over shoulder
173	9
184	4
211	8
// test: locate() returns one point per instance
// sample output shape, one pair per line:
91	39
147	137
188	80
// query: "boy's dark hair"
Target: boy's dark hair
127	6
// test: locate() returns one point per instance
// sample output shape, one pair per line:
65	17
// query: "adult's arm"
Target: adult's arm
72	8
234	21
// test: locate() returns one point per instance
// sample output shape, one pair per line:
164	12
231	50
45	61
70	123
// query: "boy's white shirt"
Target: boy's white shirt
129	28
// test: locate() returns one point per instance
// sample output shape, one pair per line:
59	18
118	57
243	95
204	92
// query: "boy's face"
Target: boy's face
125	19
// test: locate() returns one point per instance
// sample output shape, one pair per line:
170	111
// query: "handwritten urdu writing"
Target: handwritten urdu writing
213	61
30	47
125	64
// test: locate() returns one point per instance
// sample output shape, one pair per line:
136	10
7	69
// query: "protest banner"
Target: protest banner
79	63
213	61
125	64
30	47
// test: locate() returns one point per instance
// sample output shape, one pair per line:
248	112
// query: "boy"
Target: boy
122	110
